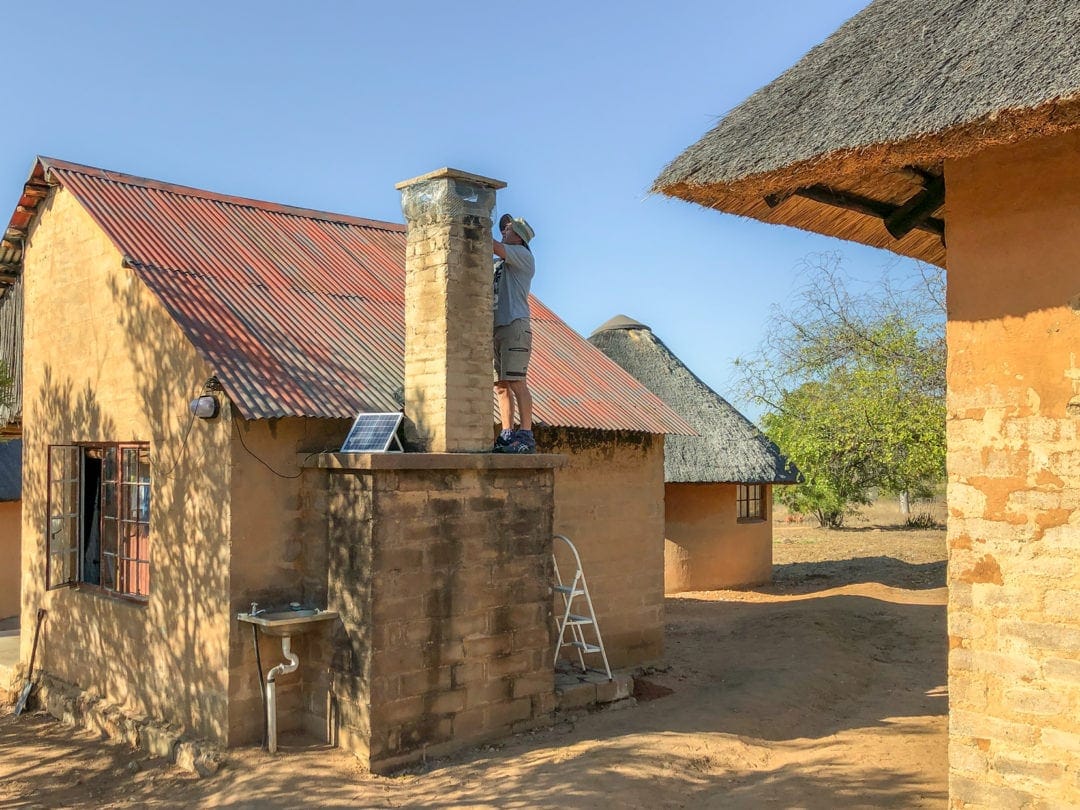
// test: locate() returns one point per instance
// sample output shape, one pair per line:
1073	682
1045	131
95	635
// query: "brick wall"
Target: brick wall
448	301
442	580
1014	476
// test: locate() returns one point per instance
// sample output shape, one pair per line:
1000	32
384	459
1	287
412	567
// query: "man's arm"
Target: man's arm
499	249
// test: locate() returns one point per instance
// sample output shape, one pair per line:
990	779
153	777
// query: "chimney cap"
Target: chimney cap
446	173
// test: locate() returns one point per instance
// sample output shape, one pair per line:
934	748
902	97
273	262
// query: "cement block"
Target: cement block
620	687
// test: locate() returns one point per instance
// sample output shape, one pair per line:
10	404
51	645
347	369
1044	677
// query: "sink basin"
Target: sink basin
288	622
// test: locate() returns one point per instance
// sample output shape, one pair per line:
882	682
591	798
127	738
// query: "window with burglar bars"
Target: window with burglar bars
751	501
99	517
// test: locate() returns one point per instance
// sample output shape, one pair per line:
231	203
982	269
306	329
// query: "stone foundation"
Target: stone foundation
73	706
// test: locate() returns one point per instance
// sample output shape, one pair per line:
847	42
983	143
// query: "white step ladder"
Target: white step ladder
576	622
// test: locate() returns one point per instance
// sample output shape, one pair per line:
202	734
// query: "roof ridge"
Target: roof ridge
123	178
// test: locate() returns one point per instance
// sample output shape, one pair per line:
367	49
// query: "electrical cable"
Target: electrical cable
247	450
262	686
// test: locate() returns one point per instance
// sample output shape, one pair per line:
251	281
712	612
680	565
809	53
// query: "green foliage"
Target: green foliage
855	389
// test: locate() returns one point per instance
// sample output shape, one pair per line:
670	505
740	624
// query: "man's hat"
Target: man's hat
520	226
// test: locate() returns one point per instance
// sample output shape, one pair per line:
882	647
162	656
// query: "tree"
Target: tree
854	386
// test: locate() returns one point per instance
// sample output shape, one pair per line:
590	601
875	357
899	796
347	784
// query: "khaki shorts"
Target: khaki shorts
513	348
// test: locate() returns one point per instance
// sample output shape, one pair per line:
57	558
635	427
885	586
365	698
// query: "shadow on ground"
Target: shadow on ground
888	571
809	700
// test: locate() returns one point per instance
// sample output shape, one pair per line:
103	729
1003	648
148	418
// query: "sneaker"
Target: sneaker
523	442
503	441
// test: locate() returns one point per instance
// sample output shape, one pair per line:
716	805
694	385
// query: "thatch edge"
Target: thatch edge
841	167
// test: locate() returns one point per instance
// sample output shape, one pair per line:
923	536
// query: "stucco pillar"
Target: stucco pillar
448	302
1014	475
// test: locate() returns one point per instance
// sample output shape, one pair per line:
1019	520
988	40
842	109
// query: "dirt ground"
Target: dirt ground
825	689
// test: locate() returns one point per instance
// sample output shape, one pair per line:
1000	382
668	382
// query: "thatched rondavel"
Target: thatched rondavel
850	141
717	484
728	449
949	130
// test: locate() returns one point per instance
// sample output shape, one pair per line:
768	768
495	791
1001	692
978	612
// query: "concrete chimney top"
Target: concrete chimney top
446	173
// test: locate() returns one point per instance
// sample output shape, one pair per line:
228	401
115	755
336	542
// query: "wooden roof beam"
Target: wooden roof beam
917	209
917	215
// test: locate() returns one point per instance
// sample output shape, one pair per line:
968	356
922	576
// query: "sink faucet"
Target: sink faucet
255	610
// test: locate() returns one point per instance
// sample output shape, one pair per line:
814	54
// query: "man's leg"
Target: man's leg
520	389
523	439
506	405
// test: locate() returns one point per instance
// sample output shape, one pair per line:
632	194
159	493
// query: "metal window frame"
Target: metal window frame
126	593
49	509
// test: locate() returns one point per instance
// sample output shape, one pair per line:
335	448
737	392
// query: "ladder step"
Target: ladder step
575	589
583	645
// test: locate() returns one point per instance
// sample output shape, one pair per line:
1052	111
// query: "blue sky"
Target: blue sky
327	104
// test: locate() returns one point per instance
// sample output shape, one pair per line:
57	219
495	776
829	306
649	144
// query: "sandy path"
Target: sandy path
824	690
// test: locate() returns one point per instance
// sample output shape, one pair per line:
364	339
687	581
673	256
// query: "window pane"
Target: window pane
108	571
132	564
108	465
110	536
62	527
108	499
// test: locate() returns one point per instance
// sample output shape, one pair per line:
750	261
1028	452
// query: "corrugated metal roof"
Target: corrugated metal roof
301	313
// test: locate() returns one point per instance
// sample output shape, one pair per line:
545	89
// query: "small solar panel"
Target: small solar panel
374	433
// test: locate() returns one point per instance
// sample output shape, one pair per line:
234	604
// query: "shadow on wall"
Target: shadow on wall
166	658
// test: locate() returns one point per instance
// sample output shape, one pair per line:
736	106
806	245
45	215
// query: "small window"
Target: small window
751	501
99	517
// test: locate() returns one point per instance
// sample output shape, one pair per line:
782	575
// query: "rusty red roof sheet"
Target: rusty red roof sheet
301	312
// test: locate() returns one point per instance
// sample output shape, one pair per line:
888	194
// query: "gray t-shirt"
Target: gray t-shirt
513	276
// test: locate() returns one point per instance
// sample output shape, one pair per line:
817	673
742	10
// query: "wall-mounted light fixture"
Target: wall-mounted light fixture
204	407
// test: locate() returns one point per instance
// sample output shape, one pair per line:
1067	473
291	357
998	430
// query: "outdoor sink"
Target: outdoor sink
287	622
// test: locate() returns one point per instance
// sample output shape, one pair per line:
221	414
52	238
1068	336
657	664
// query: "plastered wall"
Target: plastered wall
609	500
277	556
103	362
706	546
10	552
1014	475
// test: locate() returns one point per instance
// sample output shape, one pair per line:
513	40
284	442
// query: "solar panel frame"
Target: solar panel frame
374	433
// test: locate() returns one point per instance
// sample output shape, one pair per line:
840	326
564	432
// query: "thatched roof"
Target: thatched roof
863	123
728	448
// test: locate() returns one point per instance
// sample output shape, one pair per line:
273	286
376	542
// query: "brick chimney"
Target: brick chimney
448	302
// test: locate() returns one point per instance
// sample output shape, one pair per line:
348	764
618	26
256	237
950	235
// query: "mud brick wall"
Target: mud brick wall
1014	475
442	578
609	500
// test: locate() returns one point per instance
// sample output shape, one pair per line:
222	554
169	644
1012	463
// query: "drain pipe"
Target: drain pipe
271	692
